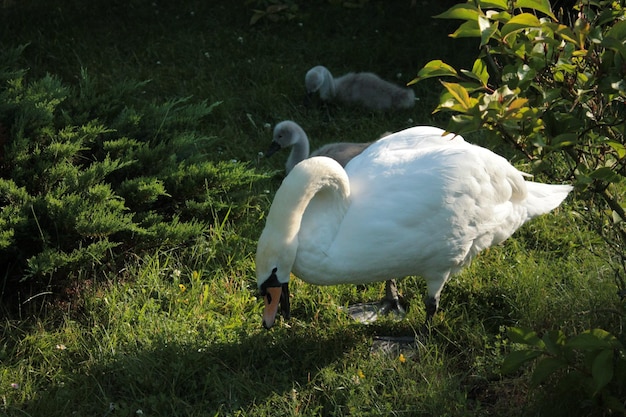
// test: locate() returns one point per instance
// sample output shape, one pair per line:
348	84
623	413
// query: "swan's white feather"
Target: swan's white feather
413	203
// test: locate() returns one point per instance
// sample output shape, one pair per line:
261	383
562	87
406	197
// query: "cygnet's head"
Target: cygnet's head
287	133
315	78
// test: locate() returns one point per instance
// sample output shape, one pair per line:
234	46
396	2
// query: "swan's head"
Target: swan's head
286	134
275	295
274	260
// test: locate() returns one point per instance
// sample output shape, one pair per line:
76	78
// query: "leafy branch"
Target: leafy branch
557	94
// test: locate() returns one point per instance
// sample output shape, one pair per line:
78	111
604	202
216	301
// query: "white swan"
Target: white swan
362	88
289	134
413	203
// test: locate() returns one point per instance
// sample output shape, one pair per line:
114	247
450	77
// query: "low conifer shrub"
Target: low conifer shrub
90	174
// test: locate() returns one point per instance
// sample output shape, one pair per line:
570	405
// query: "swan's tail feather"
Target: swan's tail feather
543	198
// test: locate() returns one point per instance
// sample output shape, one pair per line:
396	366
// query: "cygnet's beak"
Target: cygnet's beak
274	147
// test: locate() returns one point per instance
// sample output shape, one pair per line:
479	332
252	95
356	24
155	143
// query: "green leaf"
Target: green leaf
614	44
517	104
546	367
526	74
602	369
463	123
520	22
516	359
487	30
435	68
460	94
524	336
448	102
605	174
565	139
470	74
564	32
495	4
618	147
501	17
542	6
593	339
468	29
582	180
618	31
479	72
465	11
554	341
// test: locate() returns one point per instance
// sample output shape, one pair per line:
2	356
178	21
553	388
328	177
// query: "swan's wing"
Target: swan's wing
422	202
415	139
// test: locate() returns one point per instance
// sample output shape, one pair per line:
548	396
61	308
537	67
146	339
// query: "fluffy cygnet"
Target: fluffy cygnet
362	88
288	133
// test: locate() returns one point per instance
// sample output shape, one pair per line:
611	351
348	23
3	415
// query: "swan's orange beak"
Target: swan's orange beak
272	300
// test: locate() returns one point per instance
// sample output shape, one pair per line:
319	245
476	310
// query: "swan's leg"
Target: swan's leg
391	302
391	290
431	303
396	344
370	312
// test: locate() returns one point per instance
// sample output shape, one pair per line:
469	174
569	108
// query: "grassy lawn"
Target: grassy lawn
178	332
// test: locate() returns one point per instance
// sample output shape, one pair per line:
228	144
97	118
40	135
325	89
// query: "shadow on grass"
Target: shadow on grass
170	378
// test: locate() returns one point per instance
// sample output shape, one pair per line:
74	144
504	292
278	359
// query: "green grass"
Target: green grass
178	333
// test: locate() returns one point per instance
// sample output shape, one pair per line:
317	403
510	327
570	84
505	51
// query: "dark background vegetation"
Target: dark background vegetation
205	49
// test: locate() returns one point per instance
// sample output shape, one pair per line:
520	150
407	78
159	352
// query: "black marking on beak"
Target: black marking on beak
272	282
274	147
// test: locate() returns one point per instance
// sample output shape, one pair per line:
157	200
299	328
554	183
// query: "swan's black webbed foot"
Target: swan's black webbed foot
391	305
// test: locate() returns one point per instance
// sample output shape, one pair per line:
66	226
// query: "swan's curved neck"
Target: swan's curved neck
318	188
299	150
320	176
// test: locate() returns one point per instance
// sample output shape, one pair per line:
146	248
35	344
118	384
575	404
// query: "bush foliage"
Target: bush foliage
555	92
554	88
89	174
590	365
